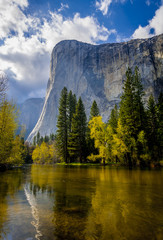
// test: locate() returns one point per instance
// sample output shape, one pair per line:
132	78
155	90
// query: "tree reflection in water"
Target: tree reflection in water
10	183
77	203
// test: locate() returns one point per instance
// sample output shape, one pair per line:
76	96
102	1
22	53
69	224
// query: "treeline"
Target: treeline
72	142
12	150
132	136
134	133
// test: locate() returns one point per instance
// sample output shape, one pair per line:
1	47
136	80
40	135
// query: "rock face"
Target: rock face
29	113
97	72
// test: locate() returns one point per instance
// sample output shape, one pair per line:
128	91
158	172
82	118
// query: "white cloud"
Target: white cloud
12	17
63	7
27	42
83	29
104	5
155	26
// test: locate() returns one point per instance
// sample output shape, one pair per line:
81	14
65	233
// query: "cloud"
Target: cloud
104	5
155	26
27	42
83	29
12	17
63	7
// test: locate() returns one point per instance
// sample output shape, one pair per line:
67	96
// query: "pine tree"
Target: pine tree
113	121
77	140
160	124
38	138
71	105
152	127
34	141
126	104
139	112
62	126
94	112
132	111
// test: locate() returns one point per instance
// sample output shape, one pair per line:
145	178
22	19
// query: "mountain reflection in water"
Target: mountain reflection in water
81	203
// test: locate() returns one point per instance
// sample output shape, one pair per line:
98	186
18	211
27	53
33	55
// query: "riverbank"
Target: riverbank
112	164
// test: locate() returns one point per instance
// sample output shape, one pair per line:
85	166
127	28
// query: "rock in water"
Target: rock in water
97	72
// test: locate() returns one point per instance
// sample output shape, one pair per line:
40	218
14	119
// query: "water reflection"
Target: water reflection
72	198
73	203
32	202
10	183
127	205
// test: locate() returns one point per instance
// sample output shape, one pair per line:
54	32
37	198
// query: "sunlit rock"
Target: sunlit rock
97	72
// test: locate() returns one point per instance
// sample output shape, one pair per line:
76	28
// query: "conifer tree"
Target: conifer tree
138	92
94	112
71	105
126	104
38	138
113	121
62	126
77	139
152	127
132	111
160	124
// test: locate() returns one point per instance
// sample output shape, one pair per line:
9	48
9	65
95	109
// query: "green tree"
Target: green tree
113	121
160	124
77	139
38	138
34	141
127	104
132	114
139	111
94	112
62	126
71	105
152	127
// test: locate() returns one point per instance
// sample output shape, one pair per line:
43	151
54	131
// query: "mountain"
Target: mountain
97	72
29	113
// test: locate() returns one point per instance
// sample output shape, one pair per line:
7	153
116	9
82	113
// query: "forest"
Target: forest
132	136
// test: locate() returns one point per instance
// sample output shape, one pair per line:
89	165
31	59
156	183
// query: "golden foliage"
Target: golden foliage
10	147
44	153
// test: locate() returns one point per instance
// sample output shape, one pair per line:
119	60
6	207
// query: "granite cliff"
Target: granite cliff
29	112
97	72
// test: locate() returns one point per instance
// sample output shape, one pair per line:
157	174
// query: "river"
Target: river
81	203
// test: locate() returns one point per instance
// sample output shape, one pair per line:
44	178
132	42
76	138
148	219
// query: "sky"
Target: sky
29	30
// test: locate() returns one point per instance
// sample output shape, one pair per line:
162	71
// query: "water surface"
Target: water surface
81	203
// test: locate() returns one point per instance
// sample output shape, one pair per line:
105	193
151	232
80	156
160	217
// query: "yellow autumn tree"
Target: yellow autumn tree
119	148
102	135
16	154
123	145
44	154
7	129
10	147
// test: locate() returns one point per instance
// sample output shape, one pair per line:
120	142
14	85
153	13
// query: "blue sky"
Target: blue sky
29	29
